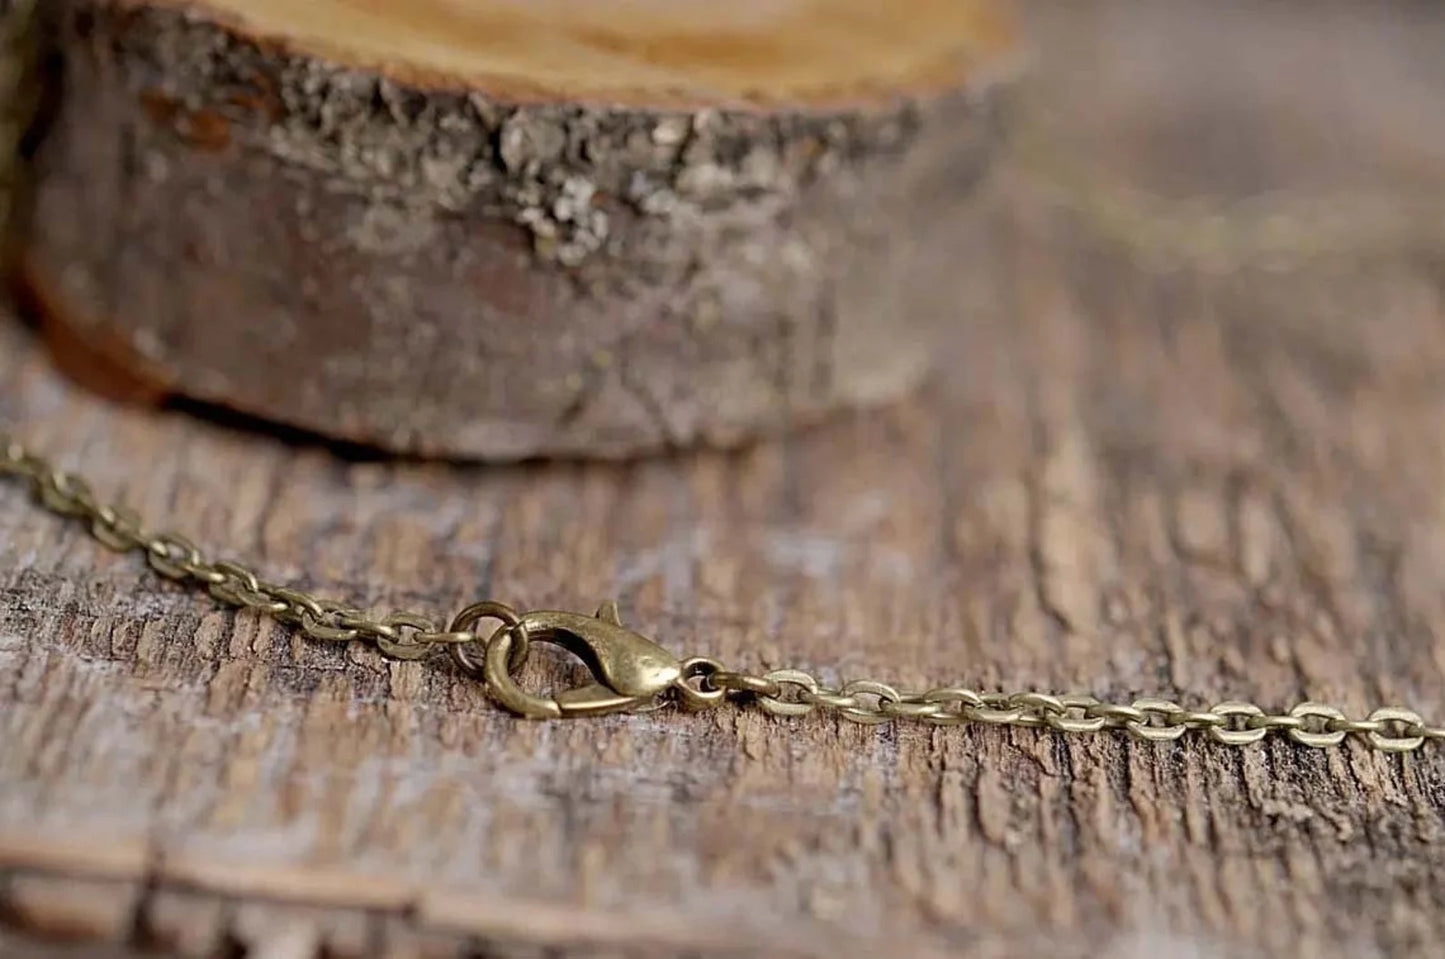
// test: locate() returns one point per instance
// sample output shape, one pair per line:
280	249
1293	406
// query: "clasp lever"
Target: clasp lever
630	670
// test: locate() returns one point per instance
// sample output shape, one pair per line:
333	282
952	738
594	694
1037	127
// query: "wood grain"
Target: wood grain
1178	481
637	52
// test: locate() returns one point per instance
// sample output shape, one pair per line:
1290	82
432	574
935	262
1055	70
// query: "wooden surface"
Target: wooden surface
1196	479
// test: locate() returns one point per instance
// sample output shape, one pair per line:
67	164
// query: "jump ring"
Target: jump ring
704	695
463	622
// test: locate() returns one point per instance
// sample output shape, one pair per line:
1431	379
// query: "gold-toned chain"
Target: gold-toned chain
634	673
1219	234
401	635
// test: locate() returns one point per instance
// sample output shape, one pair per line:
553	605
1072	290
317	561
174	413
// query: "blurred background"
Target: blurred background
1240	133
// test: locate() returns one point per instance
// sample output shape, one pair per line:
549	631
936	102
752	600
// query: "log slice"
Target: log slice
493	229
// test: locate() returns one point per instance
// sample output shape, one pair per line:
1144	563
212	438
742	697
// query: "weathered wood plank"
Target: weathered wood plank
1197	484
68	907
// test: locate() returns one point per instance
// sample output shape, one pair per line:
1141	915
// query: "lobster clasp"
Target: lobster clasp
630	670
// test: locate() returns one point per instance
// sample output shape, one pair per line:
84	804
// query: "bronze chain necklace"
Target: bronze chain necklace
631	672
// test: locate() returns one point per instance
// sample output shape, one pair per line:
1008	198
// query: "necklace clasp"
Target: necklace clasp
630	670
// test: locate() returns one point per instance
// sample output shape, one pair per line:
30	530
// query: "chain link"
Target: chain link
1220	234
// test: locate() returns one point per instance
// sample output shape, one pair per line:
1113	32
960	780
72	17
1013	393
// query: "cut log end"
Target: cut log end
644	53
497	230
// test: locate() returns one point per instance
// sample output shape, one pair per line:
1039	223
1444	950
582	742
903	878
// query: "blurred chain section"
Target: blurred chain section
1277	230
703	683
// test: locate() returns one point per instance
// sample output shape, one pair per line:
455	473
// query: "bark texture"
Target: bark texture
1197	482
448	272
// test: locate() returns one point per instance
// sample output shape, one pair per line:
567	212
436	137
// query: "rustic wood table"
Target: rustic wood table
1173	454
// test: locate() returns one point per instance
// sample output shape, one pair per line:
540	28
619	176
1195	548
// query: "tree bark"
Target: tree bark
335	231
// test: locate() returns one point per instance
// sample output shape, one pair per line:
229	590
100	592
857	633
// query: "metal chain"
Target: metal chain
705	683
400	635
634	672
792	692
1275	230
